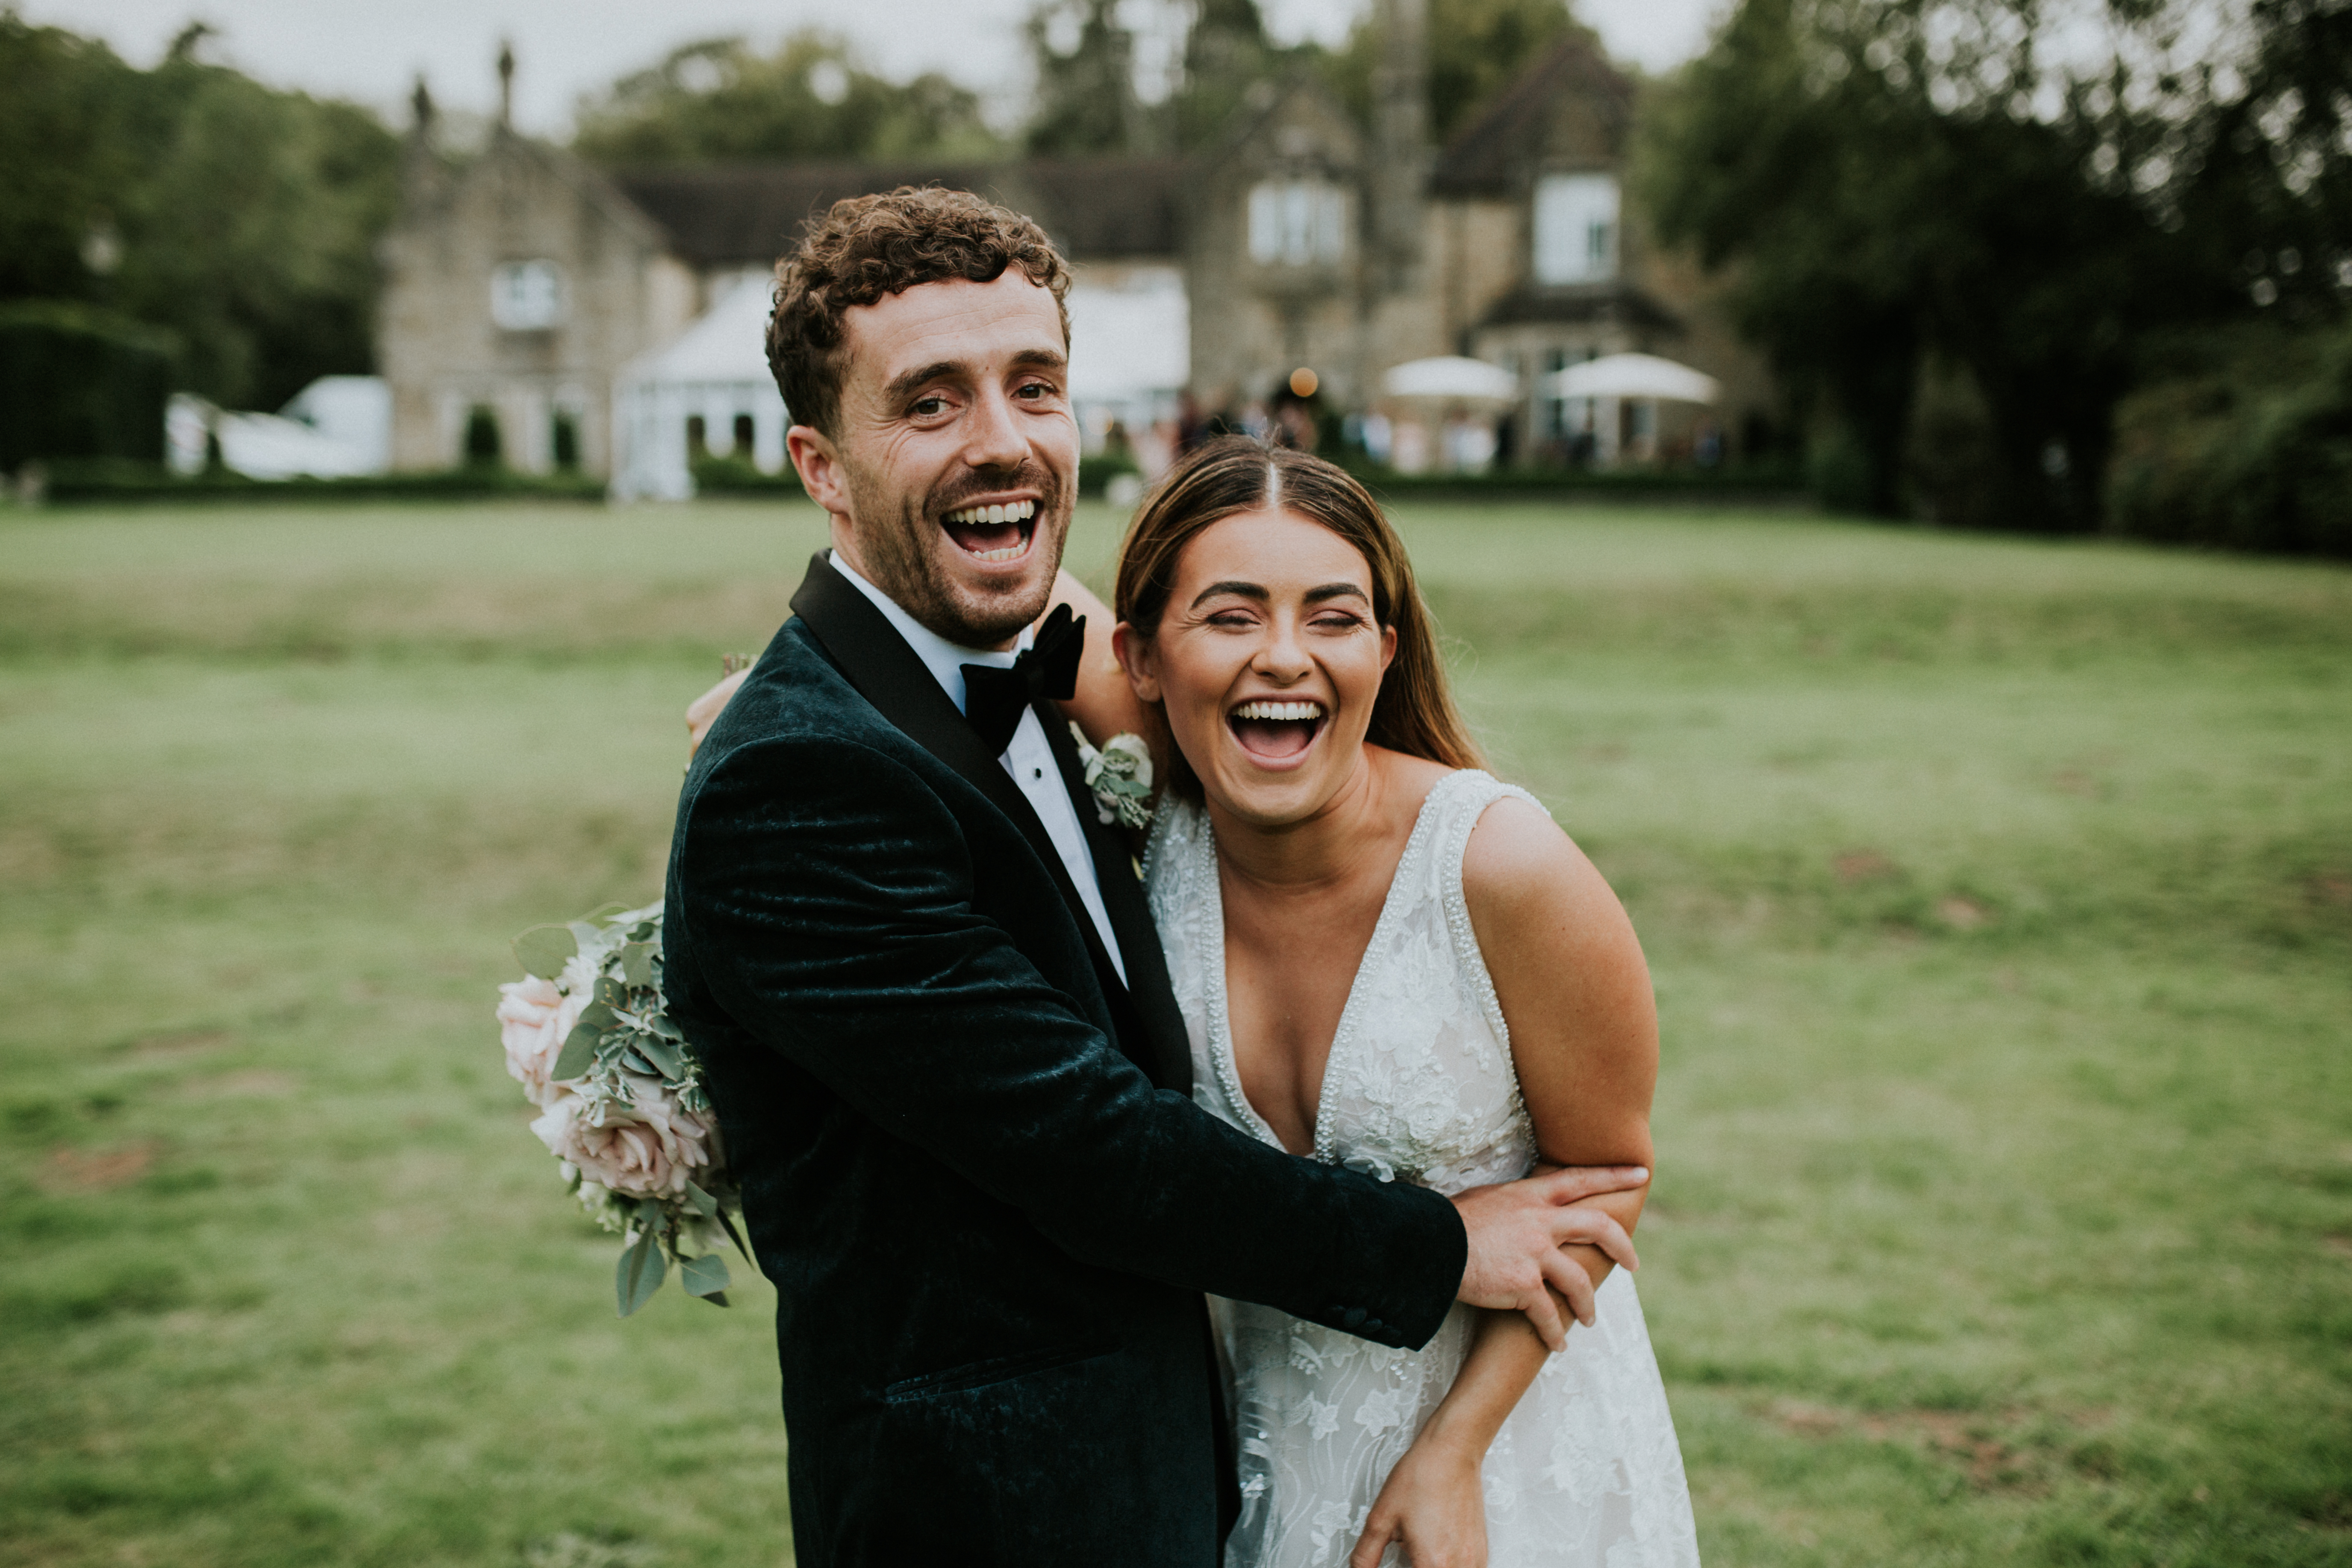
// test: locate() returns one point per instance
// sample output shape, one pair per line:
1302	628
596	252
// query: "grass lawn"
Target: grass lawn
1998	893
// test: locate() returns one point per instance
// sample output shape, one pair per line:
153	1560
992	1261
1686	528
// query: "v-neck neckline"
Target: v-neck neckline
1219	1009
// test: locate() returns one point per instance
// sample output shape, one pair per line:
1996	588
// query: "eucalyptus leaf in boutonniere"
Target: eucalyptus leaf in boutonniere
1119	774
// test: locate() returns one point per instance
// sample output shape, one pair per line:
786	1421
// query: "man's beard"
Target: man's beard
895	544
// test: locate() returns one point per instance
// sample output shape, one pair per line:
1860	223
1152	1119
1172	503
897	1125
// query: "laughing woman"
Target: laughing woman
1388	960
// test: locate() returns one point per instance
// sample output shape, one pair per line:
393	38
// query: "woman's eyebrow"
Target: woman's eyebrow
1246	590
1329	591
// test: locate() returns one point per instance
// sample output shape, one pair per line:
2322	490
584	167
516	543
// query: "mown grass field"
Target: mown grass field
1998	893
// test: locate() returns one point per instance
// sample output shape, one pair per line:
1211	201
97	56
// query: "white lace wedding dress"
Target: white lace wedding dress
1419	1088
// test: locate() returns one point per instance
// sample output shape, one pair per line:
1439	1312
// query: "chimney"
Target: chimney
506	85
1399	139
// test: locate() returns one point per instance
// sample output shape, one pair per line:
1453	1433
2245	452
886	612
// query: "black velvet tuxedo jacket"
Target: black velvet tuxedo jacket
971	1162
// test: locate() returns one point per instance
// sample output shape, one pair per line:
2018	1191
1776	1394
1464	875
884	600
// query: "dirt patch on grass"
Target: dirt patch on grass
1986	1445
1856	867
177	1043
71	1170
254	1083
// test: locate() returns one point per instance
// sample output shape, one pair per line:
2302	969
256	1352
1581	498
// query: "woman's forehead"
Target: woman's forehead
1273	547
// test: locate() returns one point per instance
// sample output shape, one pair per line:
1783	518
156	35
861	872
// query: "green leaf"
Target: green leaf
704	1204
637	964
598	1016
640	1273
665	1058
544	951
578	1053
611	992
660	1024
632	1060
705	1276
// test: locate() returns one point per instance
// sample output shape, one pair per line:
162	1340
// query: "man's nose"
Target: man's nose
992	435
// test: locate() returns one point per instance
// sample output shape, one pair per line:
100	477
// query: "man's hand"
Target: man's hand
703	711
1516	1231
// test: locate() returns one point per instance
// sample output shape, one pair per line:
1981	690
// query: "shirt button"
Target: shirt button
1354	1318
1037	773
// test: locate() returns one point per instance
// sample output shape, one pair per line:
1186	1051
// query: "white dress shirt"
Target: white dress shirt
1028	759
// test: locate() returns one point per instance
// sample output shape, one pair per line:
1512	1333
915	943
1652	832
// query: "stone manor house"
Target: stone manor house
613	318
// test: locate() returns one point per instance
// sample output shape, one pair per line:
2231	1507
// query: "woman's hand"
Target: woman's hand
703	711
1433	1504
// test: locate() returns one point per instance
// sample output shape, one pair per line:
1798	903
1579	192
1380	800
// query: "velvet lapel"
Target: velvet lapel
1131	917
887	674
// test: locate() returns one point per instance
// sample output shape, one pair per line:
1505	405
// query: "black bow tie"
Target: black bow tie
994	698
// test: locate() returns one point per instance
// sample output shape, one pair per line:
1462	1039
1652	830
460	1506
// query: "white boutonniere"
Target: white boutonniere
1119	776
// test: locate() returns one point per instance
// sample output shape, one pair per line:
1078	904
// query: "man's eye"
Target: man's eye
1035	390
927	407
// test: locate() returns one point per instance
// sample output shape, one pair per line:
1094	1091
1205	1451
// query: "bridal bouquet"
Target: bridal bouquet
586	1034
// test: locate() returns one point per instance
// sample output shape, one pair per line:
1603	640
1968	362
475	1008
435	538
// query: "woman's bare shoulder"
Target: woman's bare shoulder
1525	878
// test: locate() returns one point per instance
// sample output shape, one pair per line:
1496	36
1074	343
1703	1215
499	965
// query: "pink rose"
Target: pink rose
534	1017
648	1148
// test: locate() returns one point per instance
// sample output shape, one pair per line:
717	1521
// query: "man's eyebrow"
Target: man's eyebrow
939	370
1043	359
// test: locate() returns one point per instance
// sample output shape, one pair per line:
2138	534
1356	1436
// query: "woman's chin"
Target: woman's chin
1270	792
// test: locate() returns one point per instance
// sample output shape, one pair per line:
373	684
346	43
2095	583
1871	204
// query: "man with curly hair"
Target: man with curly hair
935	1018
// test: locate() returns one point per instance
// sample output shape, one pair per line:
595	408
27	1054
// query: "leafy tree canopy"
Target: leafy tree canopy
241	218
723	101
1891	181
1476	49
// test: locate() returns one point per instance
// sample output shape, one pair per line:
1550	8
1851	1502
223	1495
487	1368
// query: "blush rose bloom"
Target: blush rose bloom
534	1017
648	1148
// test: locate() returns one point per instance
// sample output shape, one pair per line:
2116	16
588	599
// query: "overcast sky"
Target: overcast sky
372	51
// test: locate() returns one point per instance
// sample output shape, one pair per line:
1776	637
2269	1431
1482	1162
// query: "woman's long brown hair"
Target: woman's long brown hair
1414	712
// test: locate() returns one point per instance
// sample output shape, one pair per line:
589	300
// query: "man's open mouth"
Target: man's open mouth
1275	731
993	534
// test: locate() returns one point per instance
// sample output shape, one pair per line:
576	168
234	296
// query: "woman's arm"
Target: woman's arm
1584	1038
1103	705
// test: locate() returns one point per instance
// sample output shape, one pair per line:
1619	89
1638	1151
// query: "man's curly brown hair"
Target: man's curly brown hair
868	247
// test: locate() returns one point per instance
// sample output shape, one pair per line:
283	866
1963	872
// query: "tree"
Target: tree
191	197
1086	82
1476	49
722	101
1893	181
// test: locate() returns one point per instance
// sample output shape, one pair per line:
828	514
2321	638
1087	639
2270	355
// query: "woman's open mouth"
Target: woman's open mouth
993	534
1276	731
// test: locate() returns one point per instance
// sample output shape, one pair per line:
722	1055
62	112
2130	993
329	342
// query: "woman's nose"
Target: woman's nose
1282	655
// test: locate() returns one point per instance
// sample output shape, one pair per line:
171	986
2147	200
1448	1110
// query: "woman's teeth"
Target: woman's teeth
1279	710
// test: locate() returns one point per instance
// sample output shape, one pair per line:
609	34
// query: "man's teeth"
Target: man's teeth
1010	552
983	516
1279	710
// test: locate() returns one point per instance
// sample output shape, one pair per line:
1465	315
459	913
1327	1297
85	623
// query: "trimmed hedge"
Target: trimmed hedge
118	483
80	383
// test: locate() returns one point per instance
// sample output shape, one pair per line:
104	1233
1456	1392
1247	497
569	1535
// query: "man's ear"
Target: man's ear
1140	658
818	462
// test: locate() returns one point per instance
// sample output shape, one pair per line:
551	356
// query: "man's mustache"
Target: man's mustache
1029	476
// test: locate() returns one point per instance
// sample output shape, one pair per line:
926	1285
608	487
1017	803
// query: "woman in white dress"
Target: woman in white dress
1389	960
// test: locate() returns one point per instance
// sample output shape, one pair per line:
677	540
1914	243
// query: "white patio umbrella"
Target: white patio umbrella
1632	375
1452	377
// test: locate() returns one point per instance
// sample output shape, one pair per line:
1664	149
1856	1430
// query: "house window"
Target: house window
527	296
1576	228
1298	223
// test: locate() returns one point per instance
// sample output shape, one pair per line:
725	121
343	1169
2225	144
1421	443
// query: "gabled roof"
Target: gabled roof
1486	156
749	213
